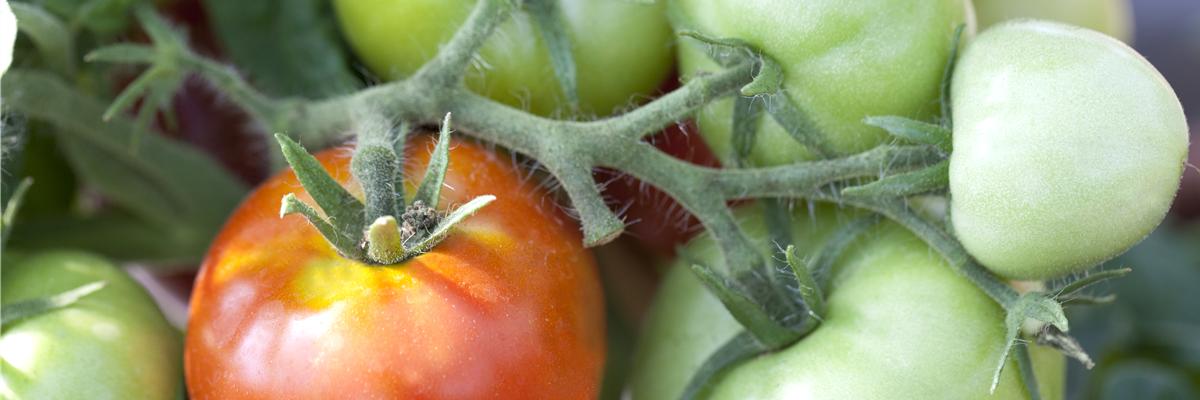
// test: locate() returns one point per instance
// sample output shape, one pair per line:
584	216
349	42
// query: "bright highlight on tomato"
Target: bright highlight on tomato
1068	149
508	306
110	344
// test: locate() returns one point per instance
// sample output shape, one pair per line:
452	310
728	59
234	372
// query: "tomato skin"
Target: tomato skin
842	61
622	50
1068	149
1110	17
509	306
113	343
900	324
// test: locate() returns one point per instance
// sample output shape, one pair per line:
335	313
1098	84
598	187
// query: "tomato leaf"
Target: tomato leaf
288	47
906	184
168	184
33	307
115	234
49	35
740	348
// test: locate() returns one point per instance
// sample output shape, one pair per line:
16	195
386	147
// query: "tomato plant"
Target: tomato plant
510	305
114	343
1068	149
621	50
900	324
1110	17
841	63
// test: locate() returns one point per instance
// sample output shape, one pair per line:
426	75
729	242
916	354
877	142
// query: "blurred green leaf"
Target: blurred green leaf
179	190
117	235
1139	379
288	47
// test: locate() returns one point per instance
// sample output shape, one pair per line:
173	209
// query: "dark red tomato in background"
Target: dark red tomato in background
508	306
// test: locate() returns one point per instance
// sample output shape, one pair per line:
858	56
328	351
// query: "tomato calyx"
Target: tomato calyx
37	306
377	232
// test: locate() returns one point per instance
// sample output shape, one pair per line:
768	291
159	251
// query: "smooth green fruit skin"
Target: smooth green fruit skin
900	325
622	50
1110	17
842	61
1068	149
111	344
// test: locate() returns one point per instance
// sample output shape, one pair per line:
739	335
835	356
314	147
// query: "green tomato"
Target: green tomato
111	344
1110	17
1068	149
842	61
622	50
900	324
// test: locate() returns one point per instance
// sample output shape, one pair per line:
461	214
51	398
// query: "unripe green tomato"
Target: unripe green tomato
842	61
1068	149
622	50
900	324
111	344
1110	17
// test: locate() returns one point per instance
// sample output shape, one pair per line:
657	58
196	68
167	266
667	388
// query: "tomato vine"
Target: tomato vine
570	150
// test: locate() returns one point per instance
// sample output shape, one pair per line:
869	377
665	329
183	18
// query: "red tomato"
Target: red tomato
509	306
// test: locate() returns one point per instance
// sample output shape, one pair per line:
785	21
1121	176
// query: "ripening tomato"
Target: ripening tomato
1068	149
508	306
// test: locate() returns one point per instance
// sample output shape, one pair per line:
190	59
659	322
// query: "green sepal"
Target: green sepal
1084	300
747	312
346	245
1034	305
800	126
1086	281
33	307
554	34
913	130
435	174
809	290
746	112
906	184
745	51
345	212
738	349
49	34
1028	374
399	137
947	77
768	80
769	77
